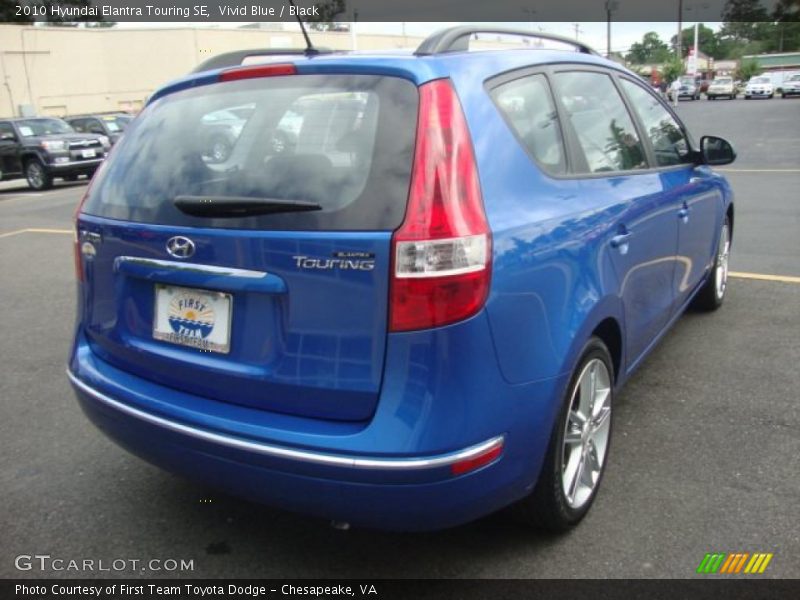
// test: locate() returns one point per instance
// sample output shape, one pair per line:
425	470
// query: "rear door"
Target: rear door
614	165
260	279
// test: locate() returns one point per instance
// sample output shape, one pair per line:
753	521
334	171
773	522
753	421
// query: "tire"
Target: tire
770	96
783	96
559	501
712	294
38	177
709	97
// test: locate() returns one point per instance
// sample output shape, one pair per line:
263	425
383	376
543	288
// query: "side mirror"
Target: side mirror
716	151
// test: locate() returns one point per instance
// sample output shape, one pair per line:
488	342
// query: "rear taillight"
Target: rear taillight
442	251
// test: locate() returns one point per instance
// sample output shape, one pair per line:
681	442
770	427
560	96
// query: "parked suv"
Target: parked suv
423	310
111	125
41	149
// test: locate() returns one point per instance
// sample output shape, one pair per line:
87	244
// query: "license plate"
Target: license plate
189	317
88	153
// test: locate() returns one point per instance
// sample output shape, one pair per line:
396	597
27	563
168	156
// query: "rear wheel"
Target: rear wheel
712	294
38	178
576	457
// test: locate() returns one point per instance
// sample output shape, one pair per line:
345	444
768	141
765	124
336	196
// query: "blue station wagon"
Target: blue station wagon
407	293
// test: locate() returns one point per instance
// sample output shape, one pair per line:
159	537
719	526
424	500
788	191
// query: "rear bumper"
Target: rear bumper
372	474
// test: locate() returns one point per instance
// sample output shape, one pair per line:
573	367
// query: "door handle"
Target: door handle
621	241
683	214
696	179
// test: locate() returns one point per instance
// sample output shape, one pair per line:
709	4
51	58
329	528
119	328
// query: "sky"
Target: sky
623	34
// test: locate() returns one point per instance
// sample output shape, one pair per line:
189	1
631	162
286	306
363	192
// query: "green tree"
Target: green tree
327	13
741	20
650	50
786	36
747	69
706	37
673	69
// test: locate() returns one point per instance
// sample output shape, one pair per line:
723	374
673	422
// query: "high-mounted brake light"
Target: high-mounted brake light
442	251
250	72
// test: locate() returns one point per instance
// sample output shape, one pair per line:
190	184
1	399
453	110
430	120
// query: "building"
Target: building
785	61
58	71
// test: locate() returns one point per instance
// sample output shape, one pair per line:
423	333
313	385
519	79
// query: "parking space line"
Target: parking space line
35	230
762	277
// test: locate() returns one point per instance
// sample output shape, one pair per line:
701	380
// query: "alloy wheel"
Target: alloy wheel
586	434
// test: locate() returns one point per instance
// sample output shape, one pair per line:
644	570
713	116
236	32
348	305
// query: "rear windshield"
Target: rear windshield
343	142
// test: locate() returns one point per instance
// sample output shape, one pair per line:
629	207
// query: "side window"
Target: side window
7	132
79	125
669	142
602	125
94	126
528	107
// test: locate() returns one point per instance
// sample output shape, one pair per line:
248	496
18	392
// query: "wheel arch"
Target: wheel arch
606	322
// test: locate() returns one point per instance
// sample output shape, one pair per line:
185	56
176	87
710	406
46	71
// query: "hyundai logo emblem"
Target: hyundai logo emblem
180	247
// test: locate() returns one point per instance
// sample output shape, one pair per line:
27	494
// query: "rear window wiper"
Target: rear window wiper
235	206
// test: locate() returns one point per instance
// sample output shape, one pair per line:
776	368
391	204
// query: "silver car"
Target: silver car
721	87
791	87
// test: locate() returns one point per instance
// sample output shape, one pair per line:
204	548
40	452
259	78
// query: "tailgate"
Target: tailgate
278	308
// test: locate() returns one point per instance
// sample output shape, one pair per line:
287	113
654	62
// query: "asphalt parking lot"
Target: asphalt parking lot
705	458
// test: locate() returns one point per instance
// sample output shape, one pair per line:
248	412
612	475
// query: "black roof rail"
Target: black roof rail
456	39
236	58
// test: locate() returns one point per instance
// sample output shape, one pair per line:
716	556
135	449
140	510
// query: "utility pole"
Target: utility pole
611	6
678	43
578	30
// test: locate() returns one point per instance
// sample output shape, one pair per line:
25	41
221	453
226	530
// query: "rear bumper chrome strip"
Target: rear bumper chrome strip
193	267
334	460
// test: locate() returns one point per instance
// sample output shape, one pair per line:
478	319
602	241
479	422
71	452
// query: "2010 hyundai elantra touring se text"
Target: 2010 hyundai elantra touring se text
407	294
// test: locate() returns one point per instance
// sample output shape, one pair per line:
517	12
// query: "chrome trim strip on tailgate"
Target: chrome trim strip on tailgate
392	464
194	267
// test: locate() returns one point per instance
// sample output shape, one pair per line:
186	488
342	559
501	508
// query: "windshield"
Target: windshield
723	81
794	78
36	127
759	80
687	80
